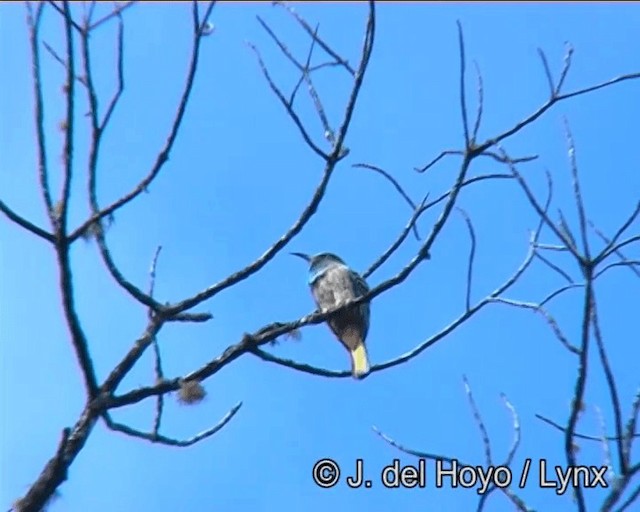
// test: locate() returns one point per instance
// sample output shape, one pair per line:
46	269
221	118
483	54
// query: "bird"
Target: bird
332	284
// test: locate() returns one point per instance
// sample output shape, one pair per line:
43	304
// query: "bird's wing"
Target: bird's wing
360	288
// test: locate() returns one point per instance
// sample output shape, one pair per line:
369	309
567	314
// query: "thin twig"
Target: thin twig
578	193
611	385
288	107
154	437
395	184
612	242
21	221
33	21
117	12
565	68
554	267
547	72
630	430
577	435
157	359
398	241
516	430
487	153
605	443
476	415
472	253
463	94
546	315
476	126
581	380
313	34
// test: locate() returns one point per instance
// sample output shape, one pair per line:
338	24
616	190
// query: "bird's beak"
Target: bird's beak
302	255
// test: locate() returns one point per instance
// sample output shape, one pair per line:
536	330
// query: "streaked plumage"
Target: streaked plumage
333	283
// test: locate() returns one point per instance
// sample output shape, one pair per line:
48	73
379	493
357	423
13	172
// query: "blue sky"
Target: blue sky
238	176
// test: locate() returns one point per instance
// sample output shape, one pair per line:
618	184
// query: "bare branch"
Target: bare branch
605	444
134	354
491	154
24	223
581	381
516	430
611	243
565	68
328	131
551	247
554	267
472	253
577	193
89	15
520	505
476	126
398	241
550	103
60	60
63	14
154	437
313	34
539	210
559	291
288	107
55	471
547	316
415	453
157	359
463	94
117	12
630	431
395	184
424	206
78	338
120	73
616	251
629	501
476	415
577	435
620	245
302	367
547	72
611	384
305	76
33	21
433	162
152	272
631	264
191	317
564	228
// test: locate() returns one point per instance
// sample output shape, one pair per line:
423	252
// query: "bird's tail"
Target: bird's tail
360	362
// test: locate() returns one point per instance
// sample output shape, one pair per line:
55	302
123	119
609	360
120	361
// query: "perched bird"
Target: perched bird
333	283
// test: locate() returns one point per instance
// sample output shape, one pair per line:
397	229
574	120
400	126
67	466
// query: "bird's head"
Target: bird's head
319	261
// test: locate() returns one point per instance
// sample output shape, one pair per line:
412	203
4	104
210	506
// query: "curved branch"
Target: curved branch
24	223
33	21
154	437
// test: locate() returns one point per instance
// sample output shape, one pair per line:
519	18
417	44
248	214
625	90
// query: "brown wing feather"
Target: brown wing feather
333	288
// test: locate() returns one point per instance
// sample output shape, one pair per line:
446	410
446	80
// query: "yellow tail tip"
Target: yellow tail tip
360	362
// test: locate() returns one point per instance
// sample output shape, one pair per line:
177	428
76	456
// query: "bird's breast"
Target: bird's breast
332	287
